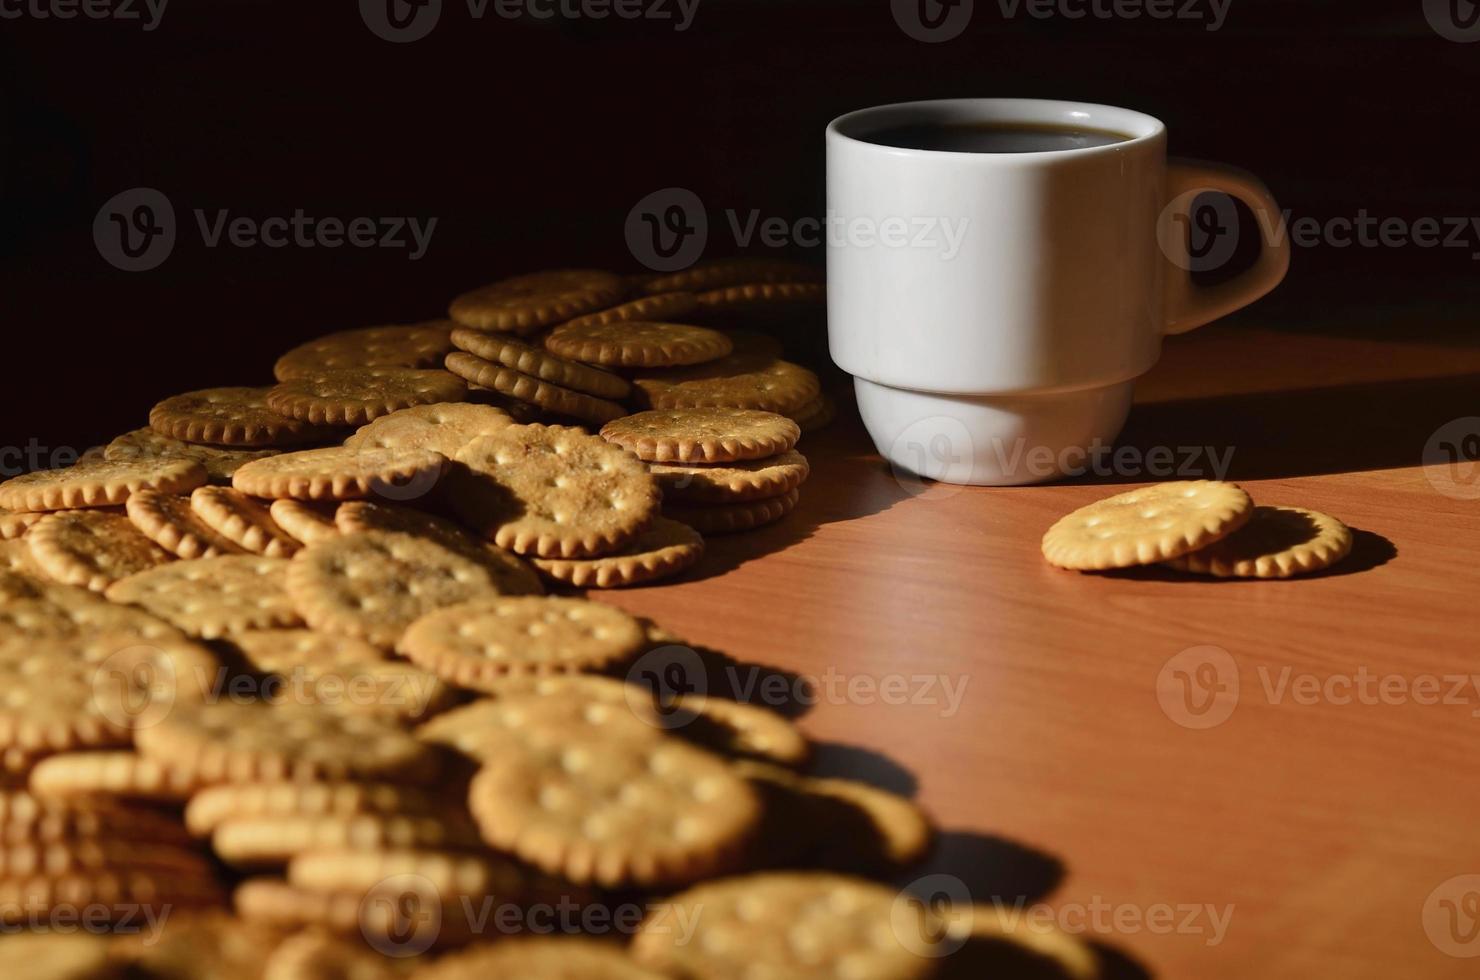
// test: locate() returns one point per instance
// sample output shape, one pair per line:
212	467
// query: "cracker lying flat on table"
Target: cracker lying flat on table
214	597
637	343
411	345
544	394
1146	526
253	841
375	584
443	428
92	548
340	473
339	672
511	576
540	956
220	461
730	518
614	812
664	549
307	521
451	873
476	642
231	417
702	435
98	483
53	610
244	522
525	303
14	525
791	924
230	742
725	483
169	521
354	396
541	364
1276	542
553	491
735	381
215	805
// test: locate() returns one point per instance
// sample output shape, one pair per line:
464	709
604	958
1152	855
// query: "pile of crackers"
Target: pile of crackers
285	696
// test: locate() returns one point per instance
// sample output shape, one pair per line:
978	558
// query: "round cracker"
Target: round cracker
450	873
306	521
579	707
531	390
637	343
411	345
1146	526
739	729
375	584
665	549
660	307
52	610
703	435
760	295
220	462
340	473
15	525
816	414
92	548
522	304
214	597
744	380
229	741
98	483
444	428
170	522
553	491
260	840
57	956
797	924
614	812
214	805
727	483
540	364
744	515
475	642
231	417
355	396
1276	542
511	576
339	672
119	774
882	830
242	521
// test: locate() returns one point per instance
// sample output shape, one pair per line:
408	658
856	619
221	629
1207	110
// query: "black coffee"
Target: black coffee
992	137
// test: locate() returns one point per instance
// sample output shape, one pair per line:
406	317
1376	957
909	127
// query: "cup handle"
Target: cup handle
1188	305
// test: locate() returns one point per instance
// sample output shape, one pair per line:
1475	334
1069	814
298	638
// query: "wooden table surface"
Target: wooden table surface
1316	821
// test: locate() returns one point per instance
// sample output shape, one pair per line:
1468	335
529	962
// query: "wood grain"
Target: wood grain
1322	827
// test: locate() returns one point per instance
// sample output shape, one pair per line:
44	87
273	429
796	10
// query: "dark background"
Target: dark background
531	141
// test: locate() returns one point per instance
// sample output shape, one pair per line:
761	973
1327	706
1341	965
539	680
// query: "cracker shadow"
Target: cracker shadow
1369	550
835	760
991	868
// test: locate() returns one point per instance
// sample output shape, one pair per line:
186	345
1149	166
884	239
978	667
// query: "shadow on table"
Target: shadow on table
1369	550
1308	432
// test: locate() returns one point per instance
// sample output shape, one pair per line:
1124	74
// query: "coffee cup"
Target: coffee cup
1001	271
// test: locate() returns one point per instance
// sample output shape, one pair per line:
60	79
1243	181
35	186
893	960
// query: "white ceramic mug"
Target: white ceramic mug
995	309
